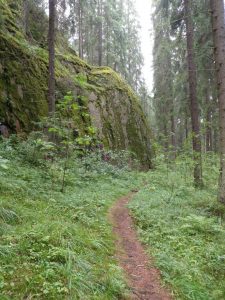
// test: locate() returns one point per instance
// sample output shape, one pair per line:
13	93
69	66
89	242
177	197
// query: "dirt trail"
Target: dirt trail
142	278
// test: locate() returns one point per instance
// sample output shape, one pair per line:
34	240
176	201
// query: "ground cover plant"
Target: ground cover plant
56	245
183	228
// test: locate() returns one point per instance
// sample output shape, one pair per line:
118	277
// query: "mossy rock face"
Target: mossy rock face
23	85
114	108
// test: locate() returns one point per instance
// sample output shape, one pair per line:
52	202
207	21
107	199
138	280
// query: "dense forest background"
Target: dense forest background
80	129
171	88
188	95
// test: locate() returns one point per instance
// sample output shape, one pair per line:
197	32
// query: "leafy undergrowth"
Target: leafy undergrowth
184	229
57	245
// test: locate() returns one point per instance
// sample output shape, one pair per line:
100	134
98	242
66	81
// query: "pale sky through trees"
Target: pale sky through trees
144	9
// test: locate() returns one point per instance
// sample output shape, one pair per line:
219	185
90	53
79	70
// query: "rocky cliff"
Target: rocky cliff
114	108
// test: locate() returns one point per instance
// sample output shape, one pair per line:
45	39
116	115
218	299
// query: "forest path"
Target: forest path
142	278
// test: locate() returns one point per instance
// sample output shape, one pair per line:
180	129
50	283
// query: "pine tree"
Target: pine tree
218	26
173	118
51	47
192	76
25	15
106	33
163	75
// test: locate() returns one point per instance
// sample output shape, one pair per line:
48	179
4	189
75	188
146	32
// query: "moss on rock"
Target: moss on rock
114	108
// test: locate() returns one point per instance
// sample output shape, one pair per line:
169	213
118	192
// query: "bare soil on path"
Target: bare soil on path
142	278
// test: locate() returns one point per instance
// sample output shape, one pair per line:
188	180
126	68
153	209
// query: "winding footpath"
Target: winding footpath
142	278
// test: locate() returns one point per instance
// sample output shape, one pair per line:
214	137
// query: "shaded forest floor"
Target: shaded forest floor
56	245
183	228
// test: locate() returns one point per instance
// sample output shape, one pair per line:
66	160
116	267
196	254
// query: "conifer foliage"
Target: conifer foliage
106	33
185	98
102	32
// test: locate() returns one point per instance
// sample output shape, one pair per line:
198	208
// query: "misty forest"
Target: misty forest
112	169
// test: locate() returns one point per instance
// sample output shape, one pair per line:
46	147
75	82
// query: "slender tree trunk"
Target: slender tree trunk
216	138
218	27
187	112
170	101
196	139
208	136
91	47
51	47
166	138
100	30
25	15
208	133
173	132
186	127
128	34
80	25
169	111
107	38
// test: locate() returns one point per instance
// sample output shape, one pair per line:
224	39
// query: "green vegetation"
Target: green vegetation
58	245
184	228
57	184
114	108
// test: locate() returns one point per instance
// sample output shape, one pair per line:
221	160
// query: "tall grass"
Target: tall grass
57	245
184	228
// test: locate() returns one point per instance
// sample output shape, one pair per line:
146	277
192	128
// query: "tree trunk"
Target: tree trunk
80	17
25	16
173	133
51	48
192	75
128	35
107	37
100	31
218	27
208	133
